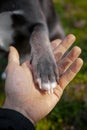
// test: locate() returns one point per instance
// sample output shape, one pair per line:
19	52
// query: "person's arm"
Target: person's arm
24	96
13	120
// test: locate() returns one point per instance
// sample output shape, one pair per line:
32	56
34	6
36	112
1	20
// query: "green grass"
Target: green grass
71	13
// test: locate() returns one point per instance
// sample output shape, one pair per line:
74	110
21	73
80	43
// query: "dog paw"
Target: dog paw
45	72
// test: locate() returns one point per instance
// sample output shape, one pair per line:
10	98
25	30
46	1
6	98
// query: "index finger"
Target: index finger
70	73
55	43
64	46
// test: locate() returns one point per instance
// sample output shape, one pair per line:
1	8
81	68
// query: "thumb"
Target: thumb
13	60
13	57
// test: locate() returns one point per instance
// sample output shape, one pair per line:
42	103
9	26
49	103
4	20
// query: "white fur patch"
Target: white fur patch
39	82
47	86
18	12
53	85
6	30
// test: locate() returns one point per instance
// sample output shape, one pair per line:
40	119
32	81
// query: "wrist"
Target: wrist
19	109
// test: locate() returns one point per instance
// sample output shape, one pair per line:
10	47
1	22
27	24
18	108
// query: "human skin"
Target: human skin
24	96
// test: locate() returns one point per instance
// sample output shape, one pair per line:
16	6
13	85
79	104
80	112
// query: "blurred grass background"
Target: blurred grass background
71	112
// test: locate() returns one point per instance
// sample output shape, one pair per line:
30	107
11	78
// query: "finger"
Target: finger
63	47
13	56
55	43
69	59
70	73
13	60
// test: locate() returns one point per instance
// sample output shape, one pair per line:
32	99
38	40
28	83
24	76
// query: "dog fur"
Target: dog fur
30	26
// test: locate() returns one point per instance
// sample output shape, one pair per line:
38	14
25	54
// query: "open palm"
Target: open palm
23	95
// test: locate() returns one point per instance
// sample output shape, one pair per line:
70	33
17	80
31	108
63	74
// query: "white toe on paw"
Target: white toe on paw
51	90
39	83
49	86
46	86
53	85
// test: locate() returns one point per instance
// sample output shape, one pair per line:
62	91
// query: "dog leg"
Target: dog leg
42	59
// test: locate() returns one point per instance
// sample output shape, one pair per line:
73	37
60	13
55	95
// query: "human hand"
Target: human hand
23	95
